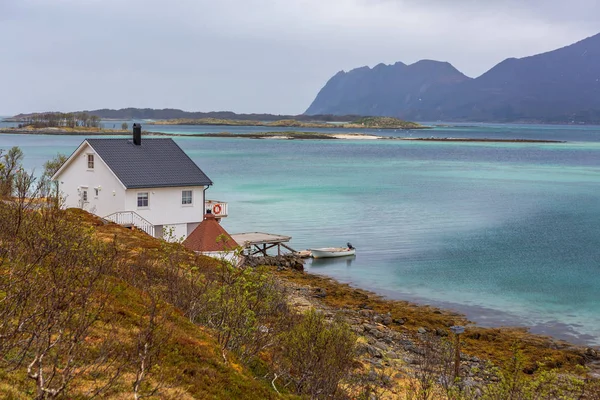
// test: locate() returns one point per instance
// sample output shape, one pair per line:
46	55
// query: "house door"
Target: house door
83	197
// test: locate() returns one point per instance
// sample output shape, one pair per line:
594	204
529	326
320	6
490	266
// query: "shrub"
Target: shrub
246	308
317	354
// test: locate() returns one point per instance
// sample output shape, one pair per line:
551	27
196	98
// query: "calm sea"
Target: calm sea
507	233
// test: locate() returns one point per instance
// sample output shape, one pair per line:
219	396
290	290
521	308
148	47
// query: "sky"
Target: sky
253	56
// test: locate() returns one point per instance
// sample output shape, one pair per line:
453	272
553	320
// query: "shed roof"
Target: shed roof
154	163
210	236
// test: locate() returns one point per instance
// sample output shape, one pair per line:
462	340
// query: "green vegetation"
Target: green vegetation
60	120
383	123
362	123
235	122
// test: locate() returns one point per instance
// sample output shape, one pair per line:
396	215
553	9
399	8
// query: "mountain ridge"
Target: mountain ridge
132	113
562	85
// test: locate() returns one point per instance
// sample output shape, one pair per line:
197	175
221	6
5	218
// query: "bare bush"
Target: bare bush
316	355
245	307
10	163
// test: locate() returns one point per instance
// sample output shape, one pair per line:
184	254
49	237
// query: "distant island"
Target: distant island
360	123
89	120
557	87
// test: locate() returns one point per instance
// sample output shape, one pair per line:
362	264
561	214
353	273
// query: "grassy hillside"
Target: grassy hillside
184	360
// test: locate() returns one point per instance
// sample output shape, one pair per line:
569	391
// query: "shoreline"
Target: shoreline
283	135
365	309
483	317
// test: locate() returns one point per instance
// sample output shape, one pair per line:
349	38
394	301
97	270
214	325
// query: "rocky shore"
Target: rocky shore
398	341
291	261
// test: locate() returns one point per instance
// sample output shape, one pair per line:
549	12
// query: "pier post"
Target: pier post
457	331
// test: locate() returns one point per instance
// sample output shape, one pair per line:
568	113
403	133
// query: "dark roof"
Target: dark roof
154	163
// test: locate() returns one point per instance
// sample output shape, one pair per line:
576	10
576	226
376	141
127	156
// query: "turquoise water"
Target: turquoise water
506	232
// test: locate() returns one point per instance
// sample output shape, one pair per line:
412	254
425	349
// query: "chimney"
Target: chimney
137	134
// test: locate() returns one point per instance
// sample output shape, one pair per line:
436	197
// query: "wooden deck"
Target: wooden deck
260	242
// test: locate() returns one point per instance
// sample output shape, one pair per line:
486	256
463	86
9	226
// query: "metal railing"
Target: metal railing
219	209
131	218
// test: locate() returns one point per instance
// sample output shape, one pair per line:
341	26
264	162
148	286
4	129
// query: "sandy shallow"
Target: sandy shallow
358	136
276	137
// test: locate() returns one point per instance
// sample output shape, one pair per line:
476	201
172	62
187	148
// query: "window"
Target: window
96	192
84	196
142	199
186	197
90	158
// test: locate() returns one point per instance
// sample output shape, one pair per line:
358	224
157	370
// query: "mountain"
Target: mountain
385	90
558	86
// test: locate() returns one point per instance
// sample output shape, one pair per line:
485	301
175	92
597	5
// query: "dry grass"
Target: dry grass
190	363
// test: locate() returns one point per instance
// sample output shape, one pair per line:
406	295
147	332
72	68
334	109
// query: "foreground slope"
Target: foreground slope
91	309
95	332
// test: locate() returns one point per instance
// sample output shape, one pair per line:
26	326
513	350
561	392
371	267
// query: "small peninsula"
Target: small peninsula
63	130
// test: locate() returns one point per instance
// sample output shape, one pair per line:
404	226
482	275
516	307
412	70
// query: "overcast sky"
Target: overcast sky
253	55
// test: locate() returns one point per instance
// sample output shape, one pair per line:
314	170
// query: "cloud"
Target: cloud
252	55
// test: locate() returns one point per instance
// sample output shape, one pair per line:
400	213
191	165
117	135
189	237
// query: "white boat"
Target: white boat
329	252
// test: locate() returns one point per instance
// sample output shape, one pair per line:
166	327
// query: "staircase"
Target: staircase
131	218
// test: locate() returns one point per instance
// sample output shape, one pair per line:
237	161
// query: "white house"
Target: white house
152	185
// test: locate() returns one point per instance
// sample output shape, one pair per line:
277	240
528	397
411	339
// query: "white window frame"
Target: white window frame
138	198
91	160
96	192
191	198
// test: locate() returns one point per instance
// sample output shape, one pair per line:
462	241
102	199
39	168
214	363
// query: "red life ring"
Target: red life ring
217	209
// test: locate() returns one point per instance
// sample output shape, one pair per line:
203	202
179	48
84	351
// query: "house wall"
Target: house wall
165	208
111	195
191	227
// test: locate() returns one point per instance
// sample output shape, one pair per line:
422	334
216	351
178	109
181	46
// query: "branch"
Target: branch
273	383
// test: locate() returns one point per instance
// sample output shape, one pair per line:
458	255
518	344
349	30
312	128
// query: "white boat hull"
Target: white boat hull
330	252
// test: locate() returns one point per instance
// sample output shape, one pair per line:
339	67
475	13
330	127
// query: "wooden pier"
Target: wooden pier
258	243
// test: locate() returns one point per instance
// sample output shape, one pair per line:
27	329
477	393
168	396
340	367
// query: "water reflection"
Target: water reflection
329	262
